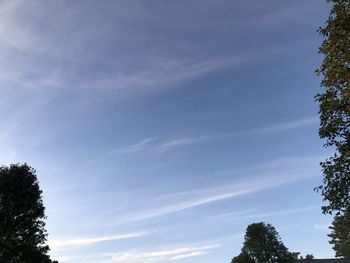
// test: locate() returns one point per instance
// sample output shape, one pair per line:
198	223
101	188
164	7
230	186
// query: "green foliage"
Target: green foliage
340	235
309	256
334	108
22	229
242	258
262	244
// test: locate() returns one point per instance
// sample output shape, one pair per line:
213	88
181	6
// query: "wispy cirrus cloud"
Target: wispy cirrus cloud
158	142
190	140
279	127
249	214
188	204
12	33
127	76
168	253
175	253
255	180
289	125
321	226
142	145
134	74
57	245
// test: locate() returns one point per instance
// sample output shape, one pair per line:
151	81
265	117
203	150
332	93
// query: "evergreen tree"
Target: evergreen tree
340	235
262	244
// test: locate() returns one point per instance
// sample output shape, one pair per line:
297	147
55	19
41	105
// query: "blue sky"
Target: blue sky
160	129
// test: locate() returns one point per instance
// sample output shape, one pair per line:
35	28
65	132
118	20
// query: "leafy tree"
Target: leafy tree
334	108
340	235
262	244
22	229
309	257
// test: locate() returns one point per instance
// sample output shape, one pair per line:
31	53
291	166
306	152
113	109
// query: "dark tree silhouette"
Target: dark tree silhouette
334	108
262	244
242	258
340	235
22	214
309	257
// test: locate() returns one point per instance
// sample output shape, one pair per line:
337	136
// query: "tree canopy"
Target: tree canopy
309	257
22	214
243	257
340	235
334	107
262	244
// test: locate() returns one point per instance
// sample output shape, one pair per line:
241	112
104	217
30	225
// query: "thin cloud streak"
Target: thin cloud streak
56	245
247	215
165	72
189	255
322	227
150	143
142	145
289	125
177	207
283	212
176	253
207	196
189	141
285	126
11	32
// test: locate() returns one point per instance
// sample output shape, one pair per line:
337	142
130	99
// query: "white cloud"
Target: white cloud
155	142
188	141
144	144
12	33
282	212
254	181
174	253
169	253
64	258
56	245
289	125
177	207
188	255
284	126
152	72
322	227
165	73
247	213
